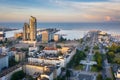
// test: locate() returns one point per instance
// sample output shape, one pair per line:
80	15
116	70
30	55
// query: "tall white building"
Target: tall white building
3	61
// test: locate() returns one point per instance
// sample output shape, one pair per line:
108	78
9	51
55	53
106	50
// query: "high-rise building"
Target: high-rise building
45	37
26	32
33	27
30	30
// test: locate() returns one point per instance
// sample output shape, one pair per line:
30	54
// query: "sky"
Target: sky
60	10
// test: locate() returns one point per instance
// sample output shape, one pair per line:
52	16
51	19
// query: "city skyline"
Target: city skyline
60	10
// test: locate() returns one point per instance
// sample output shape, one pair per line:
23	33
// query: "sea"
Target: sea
70	30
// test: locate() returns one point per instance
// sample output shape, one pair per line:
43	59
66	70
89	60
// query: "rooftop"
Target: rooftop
51	67
50	48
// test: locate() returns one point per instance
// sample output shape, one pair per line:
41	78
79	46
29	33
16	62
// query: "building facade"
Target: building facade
20	56
45	37
3	62
2	35
30	31
56	37
18	35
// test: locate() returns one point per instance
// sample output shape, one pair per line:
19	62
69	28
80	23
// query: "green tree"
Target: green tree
18	75
58	46
62	39
67	74
81	40
98	58
96	47
108	79
86	48
113	48
80	55
99	77
116	60
111	54
24	49
12	62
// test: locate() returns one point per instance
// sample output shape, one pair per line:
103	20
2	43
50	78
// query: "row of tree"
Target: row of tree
98	59
113	54
99	77
80	55
18	75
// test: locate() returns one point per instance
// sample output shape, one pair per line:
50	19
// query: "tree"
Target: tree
81	40
86	48
113	48
24	49
99	77
96	47
6	39
12	62
75	61
116	60
58	46
41	47
62	39
18	75
67	74
111	54
108	79
1	42
98	58
118	49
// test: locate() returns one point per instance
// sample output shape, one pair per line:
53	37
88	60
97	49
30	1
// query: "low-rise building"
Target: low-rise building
4	49
39	71
2	35
49	50
32	50
52	58
64	49
57	37
48	61
117	74
18	35
20	56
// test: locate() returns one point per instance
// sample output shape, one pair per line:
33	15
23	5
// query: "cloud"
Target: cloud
100	9
114	0
62	10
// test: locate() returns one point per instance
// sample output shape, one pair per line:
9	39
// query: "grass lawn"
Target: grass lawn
93	59
79	67
94	69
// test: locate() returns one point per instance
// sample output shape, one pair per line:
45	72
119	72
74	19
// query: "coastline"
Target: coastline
69	34
7	29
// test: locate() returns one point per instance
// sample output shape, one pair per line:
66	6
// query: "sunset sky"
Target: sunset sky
60	10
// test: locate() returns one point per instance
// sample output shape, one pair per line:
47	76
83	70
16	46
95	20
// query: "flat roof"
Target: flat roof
50	66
